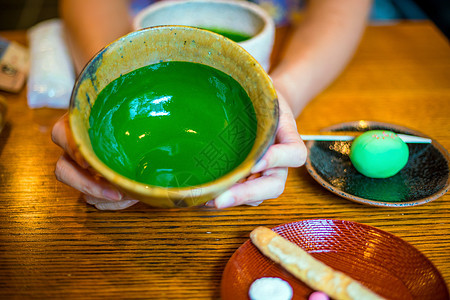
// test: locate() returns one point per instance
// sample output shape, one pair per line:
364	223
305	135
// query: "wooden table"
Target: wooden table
54	245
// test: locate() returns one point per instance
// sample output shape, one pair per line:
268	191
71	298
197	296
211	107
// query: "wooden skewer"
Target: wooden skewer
342	138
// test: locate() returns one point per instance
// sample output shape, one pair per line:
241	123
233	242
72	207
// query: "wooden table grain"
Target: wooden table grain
53	245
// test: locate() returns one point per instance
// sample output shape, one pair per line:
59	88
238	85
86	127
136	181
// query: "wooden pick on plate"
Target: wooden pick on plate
352	135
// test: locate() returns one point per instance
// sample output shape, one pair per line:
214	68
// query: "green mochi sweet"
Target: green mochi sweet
379	154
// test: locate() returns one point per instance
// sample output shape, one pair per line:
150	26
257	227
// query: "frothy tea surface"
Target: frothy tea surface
173	124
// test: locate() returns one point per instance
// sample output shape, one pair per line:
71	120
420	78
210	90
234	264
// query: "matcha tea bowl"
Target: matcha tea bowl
173	115
242	21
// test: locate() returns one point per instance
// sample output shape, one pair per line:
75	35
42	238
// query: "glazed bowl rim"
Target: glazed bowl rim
268	22
147	190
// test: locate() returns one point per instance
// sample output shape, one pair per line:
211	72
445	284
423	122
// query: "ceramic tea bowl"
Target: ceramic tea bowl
174	43
218	15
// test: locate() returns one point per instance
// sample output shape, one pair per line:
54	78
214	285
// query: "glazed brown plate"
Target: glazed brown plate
424	178
381	261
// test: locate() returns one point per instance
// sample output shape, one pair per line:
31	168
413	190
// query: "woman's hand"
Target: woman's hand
266	181
73	170
270	173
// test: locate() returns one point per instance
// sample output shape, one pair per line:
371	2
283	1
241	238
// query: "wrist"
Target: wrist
293	82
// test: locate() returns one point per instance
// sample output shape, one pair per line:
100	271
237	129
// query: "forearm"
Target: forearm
319	49
92	24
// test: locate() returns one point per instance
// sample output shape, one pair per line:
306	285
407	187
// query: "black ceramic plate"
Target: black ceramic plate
424	178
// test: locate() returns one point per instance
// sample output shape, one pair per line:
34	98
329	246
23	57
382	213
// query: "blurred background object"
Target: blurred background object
51	76
22	14
3	109
14	65
437	11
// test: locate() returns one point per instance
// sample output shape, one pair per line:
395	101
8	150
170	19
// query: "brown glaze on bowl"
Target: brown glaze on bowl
174	43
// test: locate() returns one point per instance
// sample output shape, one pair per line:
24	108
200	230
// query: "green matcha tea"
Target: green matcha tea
232	35
173	124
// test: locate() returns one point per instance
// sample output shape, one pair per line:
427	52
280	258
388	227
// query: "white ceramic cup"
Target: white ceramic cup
228	15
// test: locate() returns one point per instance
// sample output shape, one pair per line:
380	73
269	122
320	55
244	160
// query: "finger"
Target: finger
287	129
251	177
68	172
62	136
290	155
289	150
58	133
268	186
256	203
109	205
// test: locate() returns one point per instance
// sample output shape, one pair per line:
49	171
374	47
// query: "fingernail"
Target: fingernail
225	200
116	205
261	165
210	203
84	164
80	160
112	194
255	203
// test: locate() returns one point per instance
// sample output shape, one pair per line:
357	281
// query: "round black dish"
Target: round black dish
424	178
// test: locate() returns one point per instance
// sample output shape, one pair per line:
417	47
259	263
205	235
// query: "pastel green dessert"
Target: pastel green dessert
379	154
173	124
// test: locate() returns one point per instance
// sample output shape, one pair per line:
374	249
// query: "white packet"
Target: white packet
51	76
